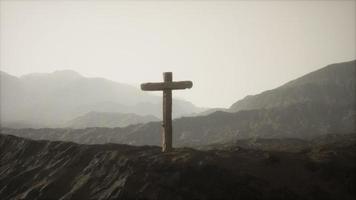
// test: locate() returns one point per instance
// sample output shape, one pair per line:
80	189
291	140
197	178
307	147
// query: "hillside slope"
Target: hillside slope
332	85
54	170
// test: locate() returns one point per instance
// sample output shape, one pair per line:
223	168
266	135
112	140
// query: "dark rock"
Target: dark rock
63	170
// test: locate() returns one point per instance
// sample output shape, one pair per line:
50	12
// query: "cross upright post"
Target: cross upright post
167	114
167	86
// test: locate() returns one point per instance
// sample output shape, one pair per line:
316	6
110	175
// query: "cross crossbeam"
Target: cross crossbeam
167	86
177	85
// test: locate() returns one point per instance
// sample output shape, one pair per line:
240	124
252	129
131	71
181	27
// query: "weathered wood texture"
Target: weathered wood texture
177	85
167	86
167	115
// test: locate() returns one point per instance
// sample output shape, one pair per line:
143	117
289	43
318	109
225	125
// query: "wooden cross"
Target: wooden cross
167	86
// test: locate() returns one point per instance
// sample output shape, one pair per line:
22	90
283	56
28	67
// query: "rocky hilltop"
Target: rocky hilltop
322	169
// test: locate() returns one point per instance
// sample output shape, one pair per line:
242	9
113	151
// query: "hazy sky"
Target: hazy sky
229	49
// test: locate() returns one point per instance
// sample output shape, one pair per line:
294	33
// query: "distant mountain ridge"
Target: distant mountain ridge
331	85
324	111
303	121
109	119
52	99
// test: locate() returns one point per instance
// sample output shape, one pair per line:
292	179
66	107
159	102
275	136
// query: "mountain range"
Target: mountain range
314	105
297	141
109	119
56	99
332	85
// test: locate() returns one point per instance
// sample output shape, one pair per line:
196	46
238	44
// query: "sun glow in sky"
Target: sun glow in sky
229	49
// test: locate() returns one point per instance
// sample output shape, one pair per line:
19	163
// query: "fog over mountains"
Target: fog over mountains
271	114
56	99
293	142
109	119
319	103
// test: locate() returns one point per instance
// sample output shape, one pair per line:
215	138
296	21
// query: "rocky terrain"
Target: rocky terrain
323	169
